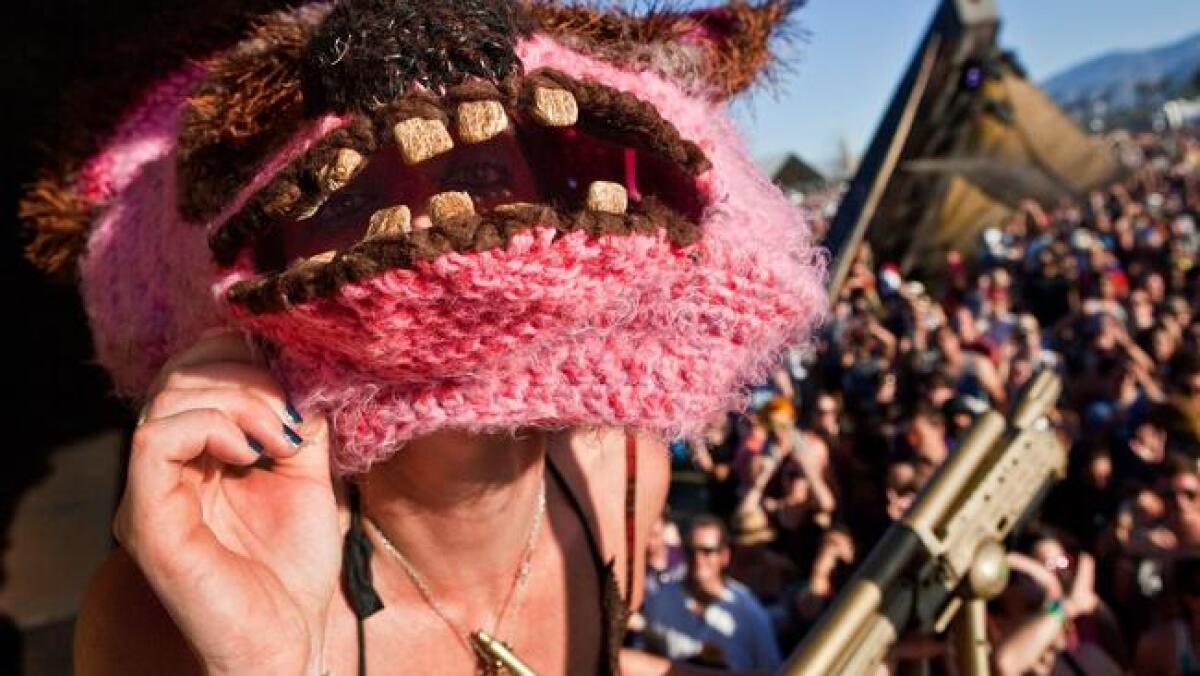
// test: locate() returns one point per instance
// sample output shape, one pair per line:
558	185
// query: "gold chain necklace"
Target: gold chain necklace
492	656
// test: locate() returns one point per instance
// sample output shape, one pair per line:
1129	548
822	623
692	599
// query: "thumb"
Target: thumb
313	458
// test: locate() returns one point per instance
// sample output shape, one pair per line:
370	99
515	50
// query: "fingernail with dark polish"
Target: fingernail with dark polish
292	436
293	414
254	444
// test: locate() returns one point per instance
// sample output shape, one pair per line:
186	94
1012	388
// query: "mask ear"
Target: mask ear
720	50
110	70
250	101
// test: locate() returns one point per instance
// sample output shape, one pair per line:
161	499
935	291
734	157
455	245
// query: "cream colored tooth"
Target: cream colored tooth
389	222
420	139
306	266
554	107
335	175
479	121
323	257
608	197
447	205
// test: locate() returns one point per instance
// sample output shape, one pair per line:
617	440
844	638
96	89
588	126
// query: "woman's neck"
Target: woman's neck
458	506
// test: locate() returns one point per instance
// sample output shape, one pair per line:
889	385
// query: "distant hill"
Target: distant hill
1115	77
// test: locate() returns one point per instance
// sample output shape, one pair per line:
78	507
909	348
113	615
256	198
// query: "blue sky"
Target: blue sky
855	51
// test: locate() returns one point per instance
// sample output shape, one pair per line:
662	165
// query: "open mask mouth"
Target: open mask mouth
465	172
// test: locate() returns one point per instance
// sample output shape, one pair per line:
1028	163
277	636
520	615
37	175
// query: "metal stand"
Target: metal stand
972	652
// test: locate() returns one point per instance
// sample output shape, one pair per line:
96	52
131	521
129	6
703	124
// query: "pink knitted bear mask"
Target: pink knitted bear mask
655	276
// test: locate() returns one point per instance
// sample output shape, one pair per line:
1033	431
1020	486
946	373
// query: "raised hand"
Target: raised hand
229	511
1082	598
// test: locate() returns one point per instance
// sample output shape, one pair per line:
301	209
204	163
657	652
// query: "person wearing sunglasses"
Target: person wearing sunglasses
707	617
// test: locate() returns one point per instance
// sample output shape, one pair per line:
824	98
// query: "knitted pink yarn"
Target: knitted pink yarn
145	274
552	330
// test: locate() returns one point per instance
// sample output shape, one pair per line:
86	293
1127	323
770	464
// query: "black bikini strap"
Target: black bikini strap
577	507
356	574
609	592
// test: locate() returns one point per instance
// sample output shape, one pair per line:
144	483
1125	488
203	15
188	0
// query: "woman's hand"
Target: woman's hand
230	515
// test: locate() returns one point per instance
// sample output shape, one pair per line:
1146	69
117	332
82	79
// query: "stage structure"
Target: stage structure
965	138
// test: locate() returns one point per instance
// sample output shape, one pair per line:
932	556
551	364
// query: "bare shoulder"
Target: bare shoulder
595	466
815	446
123	629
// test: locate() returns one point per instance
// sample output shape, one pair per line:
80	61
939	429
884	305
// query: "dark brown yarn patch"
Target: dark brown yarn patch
471	233
248	106
369	52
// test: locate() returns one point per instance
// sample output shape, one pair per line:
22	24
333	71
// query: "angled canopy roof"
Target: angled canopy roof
965	138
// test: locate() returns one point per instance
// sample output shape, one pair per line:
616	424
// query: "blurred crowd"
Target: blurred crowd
790	496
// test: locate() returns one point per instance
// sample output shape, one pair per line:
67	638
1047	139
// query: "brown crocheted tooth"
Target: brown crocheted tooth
420	139
390	222
280	198
345	165
607	197
554	107
479	121
446	206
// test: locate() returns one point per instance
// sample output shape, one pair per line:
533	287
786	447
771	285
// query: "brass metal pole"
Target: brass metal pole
827	644
969	633
953	480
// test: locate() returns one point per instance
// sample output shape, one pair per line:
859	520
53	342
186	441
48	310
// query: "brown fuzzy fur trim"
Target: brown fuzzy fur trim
472	233
250	103
60	220
608	30
736	55
745	54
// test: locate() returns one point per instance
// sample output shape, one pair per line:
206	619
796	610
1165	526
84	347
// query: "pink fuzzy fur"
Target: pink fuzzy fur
551	331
